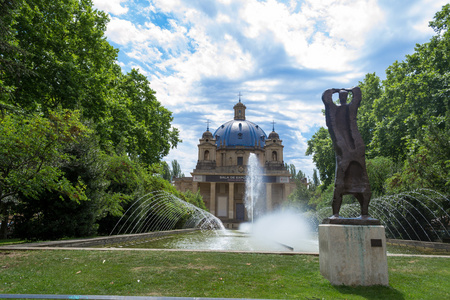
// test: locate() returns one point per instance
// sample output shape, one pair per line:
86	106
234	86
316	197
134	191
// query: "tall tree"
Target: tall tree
72	64
371	90
176	169
321	148
137	122
31	155
12	68
416	92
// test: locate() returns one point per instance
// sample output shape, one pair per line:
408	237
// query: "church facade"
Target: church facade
222	166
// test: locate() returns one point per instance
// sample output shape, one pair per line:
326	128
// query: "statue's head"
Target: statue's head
343	94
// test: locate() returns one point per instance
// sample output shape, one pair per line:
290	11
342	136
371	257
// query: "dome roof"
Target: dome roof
274	136
240	133
207	135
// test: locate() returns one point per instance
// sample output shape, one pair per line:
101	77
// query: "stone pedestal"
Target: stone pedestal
353	255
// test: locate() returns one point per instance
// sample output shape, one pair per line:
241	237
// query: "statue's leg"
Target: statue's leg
337	201
338	190
364	199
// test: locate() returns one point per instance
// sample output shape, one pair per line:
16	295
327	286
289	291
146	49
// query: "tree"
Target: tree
166	173
415	93
294	174
379	170
428	160
55	56
321	148
176	169
137	122
72	64
371	90
315	180
11	67
31	152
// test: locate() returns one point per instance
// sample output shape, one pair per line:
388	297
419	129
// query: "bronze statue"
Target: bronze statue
351	174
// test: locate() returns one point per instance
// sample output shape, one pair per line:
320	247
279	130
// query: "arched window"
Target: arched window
274	156
206	155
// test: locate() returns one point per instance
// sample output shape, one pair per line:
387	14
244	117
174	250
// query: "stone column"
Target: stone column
194	187
212	198
269	197
231	200
285	191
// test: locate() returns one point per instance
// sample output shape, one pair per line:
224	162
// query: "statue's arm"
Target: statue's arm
356	92
327	98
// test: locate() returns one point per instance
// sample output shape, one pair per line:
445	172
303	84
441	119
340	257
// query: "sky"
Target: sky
279	55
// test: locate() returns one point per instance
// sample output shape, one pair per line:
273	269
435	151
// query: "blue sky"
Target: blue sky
281	55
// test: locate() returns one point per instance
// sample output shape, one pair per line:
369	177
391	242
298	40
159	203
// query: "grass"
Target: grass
5	242
197	274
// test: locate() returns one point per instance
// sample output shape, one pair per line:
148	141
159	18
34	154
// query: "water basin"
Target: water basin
225	240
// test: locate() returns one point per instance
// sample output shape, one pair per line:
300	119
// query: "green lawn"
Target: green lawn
196	274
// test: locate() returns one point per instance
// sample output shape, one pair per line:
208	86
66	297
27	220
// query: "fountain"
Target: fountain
416	215
162	211
283	227
254	189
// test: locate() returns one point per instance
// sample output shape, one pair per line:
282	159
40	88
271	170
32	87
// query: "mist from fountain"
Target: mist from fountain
162	211
283	227
287	228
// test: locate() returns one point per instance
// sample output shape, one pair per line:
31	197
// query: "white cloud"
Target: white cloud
169	5
422	13
124	32
111	6
325	35
280	54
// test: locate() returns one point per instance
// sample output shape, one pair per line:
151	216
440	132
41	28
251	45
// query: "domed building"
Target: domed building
223	158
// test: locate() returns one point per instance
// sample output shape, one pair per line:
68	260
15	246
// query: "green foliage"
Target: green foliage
321	148
55	56
71	61
176	169
136	122
11	68
301	196
294	174
31	154
428	161
415	93
195	198
379	170
165	171
315	180
51	218
71	65
371	90
322	197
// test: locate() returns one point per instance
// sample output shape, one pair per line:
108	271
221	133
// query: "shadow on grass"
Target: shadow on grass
371	292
